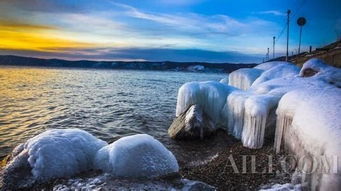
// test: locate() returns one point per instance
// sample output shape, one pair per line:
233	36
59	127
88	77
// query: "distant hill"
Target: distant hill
134	65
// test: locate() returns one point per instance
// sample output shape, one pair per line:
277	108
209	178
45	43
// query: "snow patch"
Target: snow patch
280	71
137	156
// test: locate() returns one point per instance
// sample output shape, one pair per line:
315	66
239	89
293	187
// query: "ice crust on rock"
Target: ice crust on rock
56	153
210	96
192	124
244	77
137	156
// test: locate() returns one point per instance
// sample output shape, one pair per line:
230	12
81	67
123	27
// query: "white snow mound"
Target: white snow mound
280	71
317	68
61	153
137	156
269	65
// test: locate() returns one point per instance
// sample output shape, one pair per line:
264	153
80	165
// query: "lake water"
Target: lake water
107	103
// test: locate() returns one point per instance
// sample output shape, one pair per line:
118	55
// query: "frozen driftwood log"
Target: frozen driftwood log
192	124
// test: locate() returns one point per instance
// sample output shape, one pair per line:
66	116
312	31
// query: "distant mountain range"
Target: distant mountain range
131	65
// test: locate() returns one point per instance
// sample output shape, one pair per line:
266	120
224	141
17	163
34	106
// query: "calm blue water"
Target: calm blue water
107	103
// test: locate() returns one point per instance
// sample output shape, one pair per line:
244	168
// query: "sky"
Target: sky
160	30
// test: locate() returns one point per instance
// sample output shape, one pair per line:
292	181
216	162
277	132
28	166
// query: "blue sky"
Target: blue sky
156	30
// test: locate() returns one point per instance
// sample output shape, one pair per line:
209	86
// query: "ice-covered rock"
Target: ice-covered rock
52	154
285	113
279	71
309	126
192	124
210	96
137	156
317	68
244	77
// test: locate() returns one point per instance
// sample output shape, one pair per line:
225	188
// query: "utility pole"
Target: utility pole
273	47
288	21
267	54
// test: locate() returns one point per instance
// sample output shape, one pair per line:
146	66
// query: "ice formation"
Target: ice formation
56	153
269	65
285	113
244	77
279	71
317	68
210	96
317	128
225	80
258	119
308	125
235	105
137	156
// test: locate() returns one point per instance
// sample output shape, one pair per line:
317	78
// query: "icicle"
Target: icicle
283	123
235	102
256	119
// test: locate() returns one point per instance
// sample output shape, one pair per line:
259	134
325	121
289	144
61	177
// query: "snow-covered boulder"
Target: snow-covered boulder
137	156
244	77
309	127
285	112
192	124
210	96
280	71
317	68
53	154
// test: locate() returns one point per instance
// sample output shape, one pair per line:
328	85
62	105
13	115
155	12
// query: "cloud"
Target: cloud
273	12
23	36
197	24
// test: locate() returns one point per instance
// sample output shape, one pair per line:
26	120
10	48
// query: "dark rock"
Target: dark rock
192	124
